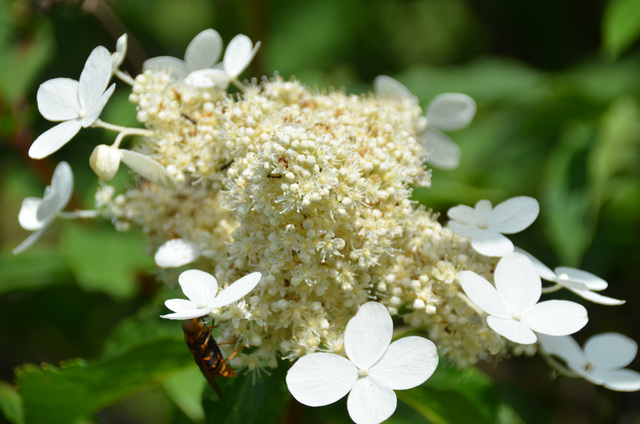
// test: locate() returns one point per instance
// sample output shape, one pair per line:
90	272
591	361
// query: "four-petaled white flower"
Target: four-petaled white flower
36	214
372	371
76	104
602	360
237	56
202	52
447	111
580	282
512	305
202	290
484	225
105	161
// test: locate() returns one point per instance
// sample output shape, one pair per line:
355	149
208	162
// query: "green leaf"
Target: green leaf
248	401
620	26
105	260
454	396
185	389
568	209
78	389
614	158
11	404
32	270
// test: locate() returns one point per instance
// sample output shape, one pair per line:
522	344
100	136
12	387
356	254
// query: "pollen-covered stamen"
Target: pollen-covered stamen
363	372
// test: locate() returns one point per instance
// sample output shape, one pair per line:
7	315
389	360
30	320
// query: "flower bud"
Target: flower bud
105	161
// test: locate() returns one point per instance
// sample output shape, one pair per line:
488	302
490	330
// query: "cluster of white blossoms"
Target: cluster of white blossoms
308	195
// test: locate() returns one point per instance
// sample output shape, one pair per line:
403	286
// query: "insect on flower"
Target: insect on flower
206	353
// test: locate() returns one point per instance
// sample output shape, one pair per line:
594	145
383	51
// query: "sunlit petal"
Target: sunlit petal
94	78
556	317
512	330
368	334
518	282
320	379
58	99
53	139
407	363
175	253
237	290
484	294
204	50
451	111
514	215
370	403
610	351
199	286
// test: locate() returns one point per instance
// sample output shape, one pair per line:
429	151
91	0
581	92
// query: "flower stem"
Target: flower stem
125	78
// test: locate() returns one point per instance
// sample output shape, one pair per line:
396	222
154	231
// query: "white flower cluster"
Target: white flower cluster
307	195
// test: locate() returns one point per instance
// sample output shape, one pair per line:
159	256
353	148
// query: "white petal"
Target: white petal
463	230
564	347
199	286
58	99
518	282
207	78
237	290
451	111
514	215
320	379
368	334
48	208
121	52
483	208
598	298
620	380
175	253
556	317
29	241
482	293
511	329
239	54
369	403
580	279
53	139
491	243
464	214
388	87
544	271
610	351
184	309
62	183
203	51
407	363
175	66
148	168
94	77
28	215
442	152
96	108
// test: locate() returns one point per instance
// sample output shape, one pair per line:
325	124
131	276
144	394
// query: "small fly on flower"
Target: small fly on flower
206	353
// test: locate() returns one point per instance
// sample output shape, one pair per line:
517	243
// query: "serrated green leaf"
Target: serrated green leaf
11	403
78	389
105	260
248	401
620	26
32	270
454	396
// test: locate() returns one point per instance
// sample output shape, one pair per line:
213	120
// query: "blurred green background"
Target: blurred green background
558	90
